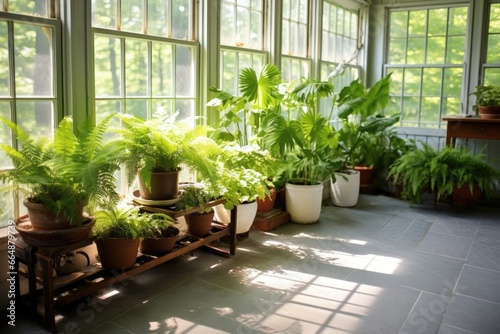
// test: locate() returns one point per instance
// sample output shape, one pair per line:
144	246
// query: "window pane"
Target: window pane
437	22
411	107
185	108
450	106
158	17
431	82
398	24
33	59
397	51
107	60
429	112
131	16
229	76
417	23
162	70
184	72
457	24
105	108
493	54
455	50
452	84
137	108
29	7
396	86
4	61
136	68
162	106
36	118
104	13
416	51
492	76
181	11
435	50
227	30
5	134
412	82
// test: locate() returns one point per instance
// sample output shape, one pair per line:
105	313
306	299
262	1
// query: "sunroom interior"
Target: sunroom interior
384	265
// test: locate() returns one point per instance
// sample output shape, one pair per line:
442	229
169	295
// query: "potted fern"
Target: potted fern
118	232
158	148
60	176
447	173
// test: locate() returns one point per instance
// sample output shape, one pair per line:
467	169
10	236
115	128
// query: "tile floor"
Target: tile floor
382	267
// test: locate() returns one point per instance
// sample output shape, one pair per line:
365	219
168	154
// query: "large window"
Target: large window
491	74
145	57
30	93
295	44
425	53
241	39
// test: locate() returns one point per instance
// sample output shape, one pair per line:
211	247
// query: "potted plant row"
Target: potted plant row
446	173
121	230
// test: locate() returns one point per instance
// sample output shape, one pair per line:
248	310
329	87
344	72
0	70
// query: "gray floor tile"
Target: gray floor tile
394	228
487	237
415	233
460	226
484	256
474	315
480	283
445	329
426	315
444	244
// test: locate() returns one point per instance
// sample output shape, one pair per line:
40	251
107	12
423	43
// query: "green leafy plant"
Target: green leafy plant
412	172
126	222
240	116
301	137
164	145
425	169
363	124
195	196
70	170
488	95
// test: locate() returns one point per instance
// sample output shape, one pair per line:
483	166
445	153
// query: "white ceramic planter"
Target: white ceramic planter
345	190
244	218
303	203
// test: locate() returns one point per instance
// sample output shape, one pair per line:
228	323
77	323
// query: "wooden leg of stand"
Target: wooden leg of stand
232	230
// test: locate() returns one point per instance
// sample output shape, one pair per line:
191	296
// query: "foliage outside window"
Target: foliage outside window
29	77
295	61
144	57
425	53
492	66
241	38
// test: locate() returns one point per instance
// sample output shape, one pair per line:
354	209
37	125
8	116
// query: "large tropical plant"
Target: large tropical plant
363	124
240	116
300	135
71	170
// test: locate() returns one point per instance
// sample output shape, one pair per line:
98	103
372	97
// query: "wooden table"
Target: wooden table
473	127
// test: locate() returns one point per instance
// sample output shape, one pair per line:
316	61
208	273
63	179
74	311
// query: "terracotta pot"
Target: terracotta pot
267	204
164	185
489	112
367	174
199	224
118	254
157	246
462	196
44	220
